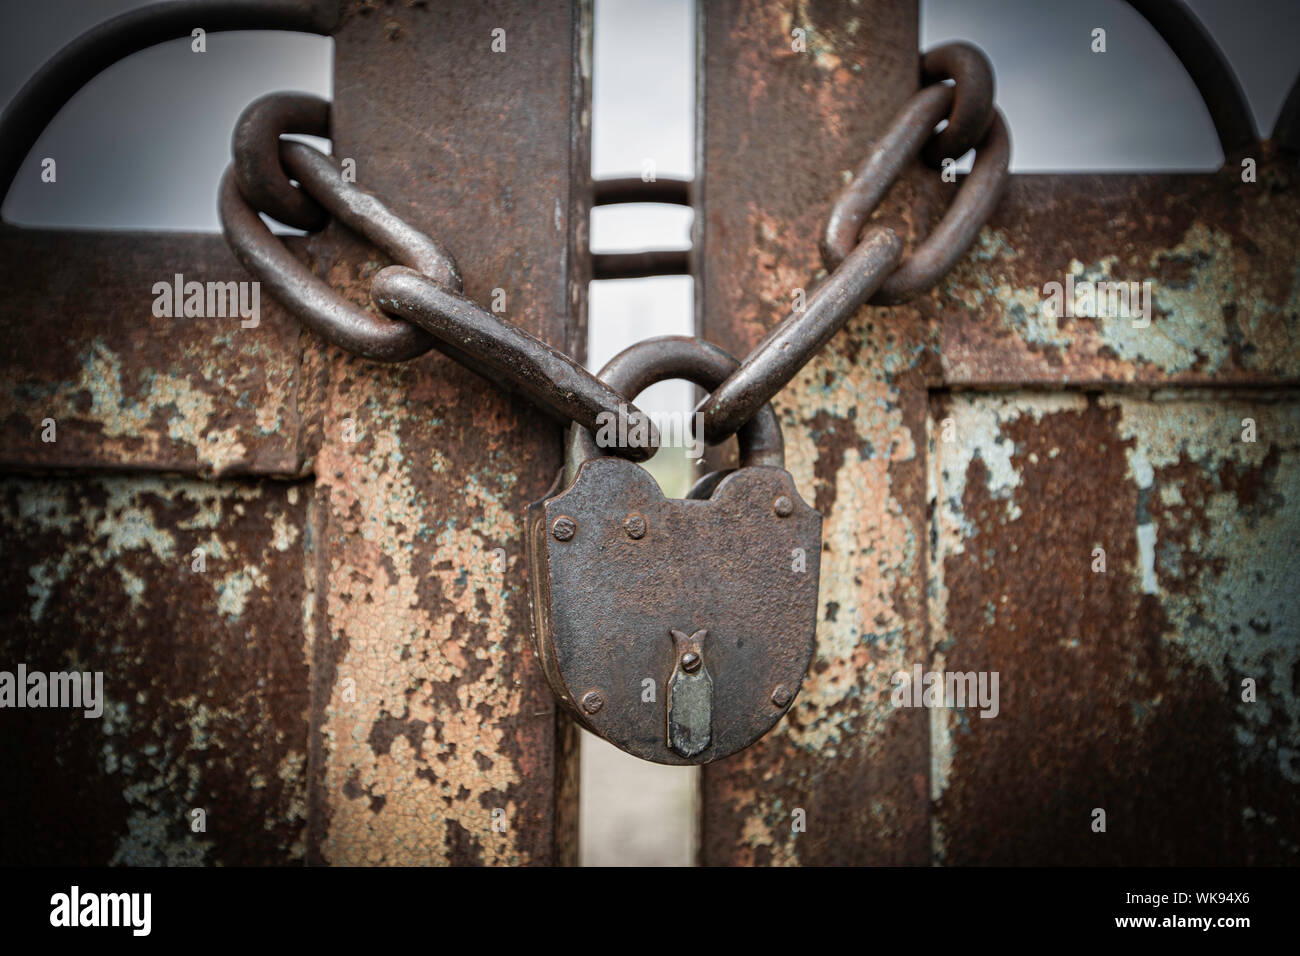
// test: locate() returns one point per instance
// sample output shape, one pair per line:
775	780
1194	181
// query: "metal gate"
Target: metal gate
302	573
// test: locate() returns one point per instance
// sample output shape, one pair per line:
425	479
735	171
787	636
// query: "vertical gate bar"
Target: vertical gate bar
790	97
435	735
568	735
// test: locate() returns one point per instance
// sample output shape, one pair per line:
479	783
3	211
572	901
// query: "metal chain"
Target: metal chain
421	295
873	268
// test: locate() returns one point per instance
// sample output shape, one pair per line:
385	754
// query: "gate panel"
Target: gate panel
1127	686
205	689
391	710
1124	562
79	343
1219	256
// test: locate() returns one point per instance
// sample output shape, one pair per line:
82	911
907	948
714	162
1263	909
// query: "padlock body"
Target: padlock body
625	567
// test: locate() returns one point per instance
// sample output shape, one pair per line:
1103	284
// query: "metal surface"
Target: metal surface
206	678
897	149
606	605
1286	131
1122	671
801	335
451	721
367	216
1215	255
421	298
256	150
378	612
507	355
312	300
655	262
1208	68
972	103
853	419
631	189
874	268
690	696
643	364
130	391
638	265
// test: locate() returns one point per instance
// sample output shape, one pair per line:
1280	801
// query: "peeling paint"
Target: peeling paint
1219	257
202	690
420	756
1138	664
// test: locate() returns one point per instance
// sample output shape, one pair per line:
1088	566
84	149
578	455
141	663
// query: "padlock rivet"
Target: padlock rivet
781	696
634	525
783	506
592	701
563	528
690	662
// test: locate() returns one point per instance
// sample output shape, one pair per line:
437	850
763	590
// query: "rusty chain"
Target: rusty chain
421	302
873	268
420	297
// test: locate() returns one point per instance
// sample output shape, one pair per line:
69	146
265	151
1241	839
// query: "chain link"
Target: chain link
420	296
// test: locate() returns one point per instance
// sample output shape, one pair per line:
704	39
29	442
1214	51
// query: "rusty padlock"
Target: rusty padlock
680	630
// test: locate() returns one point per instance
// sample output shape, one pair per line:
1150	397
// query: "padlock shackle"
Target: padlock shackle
639	366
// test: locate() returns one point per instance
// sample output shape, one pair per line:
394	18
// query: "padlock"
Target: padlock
680	630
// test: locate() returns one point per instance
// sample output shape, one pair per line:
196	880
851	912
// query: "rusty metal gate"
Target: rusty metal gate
302	573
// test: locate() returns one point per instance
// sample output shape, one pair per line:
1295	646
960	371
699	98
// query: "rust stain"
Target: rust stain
205	698
126	389
423	754
842	764
1138	668
452	729
1218	256
385	575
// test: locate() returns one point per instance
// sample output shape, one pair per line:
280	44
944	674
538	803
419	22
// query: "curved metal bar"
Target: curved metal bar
652	262
643	364
972	107
1286	131
1207	66
631	189
31	110
508	355
637	265
255	146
